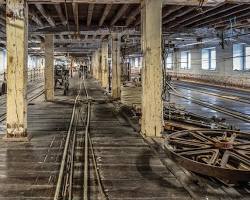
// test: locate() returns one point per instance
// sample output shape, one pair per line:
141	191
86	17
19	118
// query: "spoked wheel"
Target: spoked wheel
223	154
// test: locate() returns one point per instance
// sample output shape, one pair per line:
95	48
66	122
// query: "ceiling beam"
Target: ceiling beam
170	2
60	13
196	15
222	10
169	10
49	19
121	11
76	15
103	31
132	16
226	21
178	14
166	12
33	16
105	13
245	10
90	13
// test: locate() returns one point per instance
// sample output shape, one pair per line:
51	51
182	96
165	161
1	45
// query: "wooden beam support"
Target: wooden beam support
17	53
116	66
49	19
121	11
132	16
221	12
60	13
105	13
99	65
245	10
33	16
90	13
76	15
178	14
152	105
104	64
168	2
49	67
171	10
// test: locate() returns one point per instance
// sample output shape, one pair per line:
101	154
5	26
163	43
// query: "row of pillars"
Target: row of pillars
152	105
100	66
17	61
17	51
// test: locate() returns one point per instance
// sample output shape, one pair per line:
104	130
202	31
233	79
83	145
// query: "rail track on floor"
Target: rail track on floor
79	177
221	109
34	92
223	94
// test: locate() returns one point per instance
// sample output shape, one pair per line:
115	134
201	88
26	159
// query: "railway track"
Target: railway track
232	113
33	93
79	176
229	112
214	92
31	89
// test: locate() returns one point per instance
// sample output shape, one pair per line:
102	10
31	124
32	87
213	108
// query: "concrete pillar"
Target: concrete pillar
17	56
105	75
116	66
49	67
152	106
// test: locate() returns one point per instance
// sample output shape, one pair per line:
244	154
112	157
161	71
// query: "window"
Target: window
140	62
247	54
209	59
169	61
132	62
185	60
3	60
241	57
136	63
238	56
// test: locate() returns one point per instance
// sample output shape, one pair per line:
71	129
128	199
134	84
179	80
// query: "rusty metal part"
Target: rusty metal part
180	119
223	154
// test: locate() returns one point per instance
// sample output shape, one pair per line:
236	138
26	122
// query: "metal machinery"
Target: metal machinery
177	118
61	75
223	154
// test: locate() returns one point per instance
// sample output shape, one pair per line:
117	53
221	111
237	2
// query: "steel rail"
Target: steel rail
85	188
223	95
234	114
57	195
101	190
72	158
3	116
86	155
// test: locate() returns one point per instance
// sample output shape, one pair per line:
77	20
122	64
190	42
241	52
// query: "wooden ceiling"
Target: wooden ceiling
89	23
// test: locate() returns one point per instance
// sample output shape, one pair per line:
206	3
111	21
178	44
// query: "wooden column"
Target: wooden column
92	65
17	52
152	106
49	67
116	66
105	75
99	65
96	65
